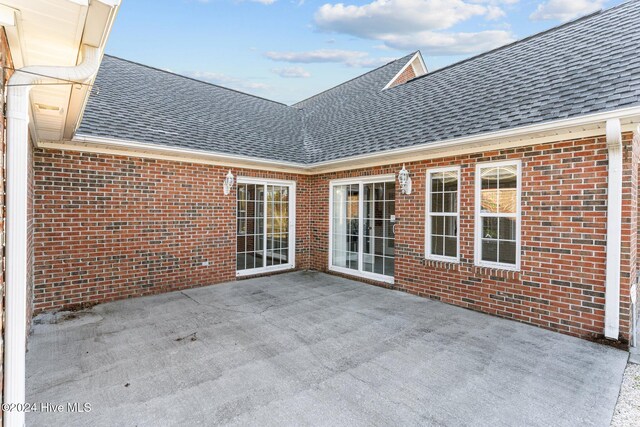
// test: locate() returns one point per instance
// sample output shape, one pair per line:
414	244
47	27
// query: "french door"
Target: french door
265	226
362	220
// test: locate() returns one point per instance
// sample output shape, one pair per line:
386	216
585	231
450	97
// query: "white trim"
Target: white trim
614	230
291	264
409	63
360	181
178	151
428	215
363	274
479	215
364	179
257	180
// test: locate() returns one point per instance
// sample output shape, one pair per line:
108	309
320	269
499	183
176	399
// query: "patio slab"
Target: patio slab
308	348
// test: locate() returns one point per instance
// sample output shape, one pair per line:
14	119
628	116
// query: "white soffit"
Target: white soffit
50	33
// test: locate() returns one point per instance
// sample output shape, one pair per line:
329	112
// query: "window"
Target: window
442	214
498	215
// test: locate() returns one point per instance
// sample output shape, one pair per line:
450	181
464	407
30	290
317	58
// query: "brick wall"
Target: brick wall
404	77
564	199
112	227
109	227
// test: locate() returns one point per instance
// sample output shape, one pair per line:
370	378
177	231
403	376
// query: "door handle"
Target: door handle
393	229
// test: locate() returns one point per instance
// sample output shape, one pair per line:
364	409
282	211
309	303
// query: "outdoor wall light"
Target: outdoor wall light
228	183
405	181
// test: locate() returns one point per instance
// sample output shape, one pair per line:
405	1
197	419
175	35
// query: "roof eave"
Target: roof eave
550	131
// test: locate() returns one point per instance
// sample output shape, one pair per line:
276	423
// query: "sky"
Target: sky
288	50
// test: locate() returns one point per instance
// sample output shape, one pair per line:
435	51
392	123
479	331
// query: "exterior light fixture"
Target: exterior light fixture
405	181
228	183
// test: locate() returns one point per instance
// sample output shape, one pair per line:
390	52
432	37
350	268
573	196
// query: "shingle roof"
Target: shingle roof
586	66
144	104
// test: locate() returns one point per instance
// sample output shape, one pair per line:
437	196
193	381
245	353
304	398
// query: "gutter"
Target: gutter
614	230
17	165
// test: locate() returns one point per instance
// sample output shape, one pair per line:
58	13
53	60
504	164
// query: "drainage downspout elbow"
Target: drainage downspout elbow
18	147
614	230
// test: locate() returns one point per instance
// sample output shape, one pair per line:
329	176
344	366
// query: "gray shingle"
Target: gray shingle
583	67
144	104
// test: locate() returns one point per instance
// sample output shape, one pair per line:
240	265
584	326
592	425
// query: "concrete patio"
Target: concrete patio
308	349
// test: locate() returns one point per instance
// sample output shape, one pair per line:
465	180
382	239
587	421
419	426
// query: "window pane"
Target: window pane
489	228
436	182
241	244
437	245
508	177
451	246
437	225
507	252
436	202
451	202
489	250
390	191
507	200
240	262
242	195
450	226
489	194
507	229
378	265
489	201
450	181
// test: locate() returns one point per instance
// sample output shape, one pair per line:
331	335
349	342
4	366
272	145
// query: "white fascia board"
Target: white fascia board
178	153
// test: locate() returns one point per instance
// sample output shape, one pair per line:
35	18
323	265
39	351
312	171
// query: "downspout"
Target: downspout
614	230
18	146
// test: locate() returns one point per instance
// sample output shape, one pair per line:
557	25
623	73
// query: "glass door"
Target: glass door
265	226
362	227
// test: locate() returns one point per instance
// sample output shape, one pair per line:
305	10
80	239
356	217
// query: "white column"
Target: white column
614	230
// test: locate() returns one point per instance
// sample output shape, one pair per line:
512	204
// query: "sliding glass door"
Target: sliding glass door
265	226
362	227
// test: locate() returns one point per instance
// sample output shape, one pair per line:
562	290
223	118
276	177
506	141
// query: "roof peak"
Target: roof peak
409	56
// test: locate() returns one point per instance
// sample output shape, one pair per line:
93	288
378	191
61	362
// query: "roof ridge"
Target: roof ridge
354	78
529	37
151	67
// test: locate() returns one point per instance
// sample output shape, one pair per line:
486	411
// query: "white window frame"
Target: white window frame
292	226
429	214
479	215
360	182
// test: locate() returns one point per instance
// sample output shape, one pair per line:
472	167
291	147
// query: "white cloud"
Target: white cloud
228	81
564	10
395	16
436	43
291	72
417	24
351	58
320	55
